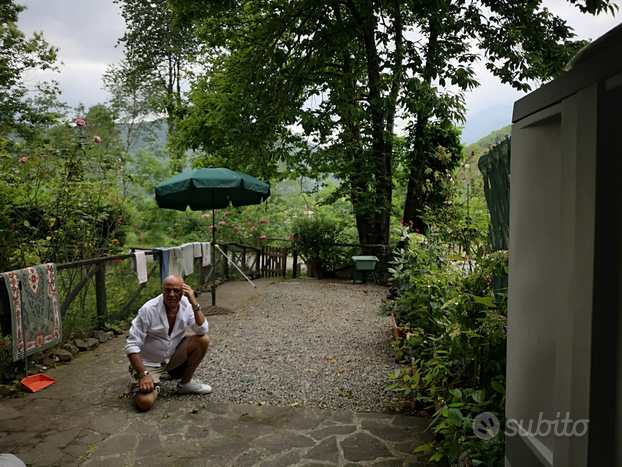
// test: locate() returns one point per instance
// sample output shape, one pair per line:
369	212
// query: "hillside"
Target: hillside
474	151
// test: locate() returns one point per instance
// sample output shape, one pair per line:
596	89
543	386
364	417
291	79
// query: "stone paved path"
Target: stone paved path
84	420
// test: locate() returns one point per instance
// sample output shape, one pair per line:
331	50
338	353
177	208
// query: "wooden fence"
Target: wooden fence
247	258
269	261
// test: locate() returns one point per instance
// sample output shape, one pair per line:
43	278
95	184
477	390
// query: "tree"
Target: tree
158	53
344	71
18	55
130	99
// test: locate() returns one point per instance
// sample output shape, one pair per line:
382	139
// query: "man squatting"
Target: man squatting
156	343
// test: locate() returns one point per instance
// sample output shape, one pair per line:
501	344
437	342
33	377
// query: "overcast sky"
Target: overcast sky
86	33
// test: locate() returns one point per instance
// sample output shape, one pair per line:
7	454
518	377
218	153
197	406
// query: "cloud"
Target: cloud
490	106
86	34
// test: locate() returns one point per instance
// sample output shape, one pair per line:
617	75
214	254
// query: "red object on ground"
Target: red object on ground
36	382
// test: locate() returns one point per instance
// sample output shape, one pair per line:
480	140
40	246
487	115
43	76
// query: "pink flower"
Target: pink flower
262	220
222	223
206	215
402	223
23	159
249	223
97	139
227	213
115	241
80	123
117	260
416	230
447	202
140	239
411	223
263	237
253	229
237	229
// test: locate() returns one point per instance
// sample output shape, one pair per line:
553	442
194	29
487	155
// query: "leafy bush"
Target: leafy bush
63	203
315	235
455	352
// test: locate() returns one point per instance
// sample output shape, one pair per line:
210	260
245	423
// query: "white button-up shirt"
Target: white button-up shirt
149	334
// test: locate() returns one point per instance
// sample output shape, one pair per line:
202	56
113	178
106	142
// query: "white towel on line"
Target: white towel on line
141	266
187	259
174	261
197	249
206	258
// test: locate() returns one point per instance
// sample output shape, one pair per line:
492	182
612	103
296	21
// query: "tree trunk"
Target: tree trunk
415	199
374	228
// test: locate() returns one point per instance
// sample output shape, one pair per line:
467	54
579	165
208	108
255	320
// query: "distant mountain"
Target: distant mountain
486	121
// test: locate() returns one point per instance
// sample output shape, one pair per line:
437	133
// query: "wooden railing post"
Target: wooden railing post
295	259
100	293
284	258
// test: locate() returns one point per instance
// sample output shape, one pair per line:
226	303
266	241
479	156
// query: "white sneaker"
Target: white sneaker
193	387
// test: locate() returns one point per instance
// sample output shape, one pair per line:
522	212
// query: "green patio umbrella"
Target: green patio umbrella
210	188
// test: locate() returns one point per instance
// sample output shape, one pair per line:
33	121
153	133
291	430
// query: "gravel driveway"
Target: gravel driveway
302	342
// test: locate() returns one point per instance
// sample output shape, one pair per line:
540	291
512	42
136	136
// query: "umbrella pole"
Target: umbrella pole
213	257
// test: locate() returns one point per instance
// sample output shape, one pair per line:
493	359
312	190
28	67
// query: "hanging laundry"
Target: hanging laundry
197	249
163	263
207	254
141	266
187	259
174	260
34	309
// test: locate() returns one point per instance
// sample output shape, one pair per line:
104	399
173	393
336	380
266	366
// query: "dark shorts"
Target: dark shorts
174	367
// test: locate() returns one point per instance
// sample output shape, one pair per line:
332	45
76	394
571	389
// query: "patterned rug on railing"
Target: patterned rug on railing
35	310
212	310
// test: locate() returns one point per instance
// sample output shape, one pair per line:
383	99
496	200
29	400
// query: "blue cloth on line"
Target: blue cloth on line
164	263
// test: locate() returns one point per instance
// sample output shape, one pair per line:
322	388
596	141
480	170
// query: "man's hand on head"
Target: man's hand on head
188	292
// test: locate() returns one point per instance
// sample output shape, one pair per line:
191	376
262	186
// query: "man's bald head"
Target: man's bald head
173	281
172	291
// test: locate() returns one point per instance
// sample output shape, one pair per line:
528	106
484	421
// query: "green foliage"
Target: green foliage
456	344
482	144
315	234
6	351
316	87
81	317
159	52
63	202
20	109
130	99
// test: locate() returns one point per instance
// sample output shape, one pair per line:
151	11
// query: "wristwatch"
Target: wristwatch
144	373
197	307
